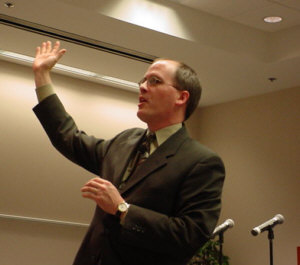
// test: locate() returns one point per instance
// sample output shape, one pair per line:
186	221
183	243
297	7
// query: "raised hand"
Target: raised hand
45	58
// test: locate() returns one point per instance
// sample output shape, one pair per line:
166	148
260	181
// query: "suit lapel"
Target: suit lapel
157	159
125	148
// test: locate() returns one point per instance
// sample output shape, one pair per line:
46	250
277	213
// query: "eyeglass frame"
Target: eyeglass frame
156	81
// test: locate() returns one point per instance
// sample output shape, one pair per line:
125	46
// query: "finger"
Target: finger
97	186
89	196
61	53
56	46
37	51
48	47
57	51
91	183
89	192
89	189
43	50
95	181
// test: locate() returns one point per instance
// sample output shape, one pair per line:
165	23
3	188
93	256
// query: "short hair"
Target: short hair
186	79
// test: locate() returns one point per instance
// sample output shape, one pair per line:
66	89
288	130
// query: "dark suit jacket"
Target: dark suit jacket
175	195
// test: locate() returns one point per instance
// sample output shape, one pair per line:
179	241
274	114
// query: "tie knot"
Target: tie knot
150	137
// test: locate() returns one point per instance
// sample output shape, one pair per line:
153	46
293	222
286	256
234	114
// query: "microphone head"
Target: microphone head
279	218
230	223
255	231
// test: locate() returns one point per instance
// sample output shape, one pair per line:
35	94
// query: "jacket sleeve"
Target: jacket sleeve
86	151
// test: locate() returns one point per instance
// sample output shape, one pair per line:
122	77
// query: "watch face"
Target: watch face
123	207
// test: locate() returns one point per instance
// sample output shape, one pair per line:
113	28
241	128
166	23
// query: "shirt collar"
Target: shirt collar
163	134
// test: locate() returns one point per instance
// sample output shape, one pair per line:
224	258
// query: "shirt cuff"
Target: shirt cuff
44	92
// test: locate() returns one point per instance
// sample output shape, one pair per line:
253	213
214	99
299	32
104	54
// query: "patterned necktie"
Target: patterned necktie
144	148
142	154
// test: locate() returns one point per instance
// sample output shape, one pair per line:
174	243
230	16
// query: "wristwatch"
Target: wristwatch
122	208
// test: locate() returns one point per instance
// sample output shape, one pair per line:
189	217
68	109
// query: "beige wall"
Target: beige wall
35	180
256	137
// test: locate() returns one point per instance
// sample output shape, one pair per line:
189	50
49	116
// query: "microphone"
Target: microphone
223	227
277	219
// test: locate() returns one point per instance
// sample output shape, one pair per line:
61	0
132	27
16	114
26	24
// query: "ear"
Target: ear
183	97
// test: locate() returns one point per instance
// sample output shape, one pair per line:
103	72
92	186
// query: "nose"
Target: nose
143	86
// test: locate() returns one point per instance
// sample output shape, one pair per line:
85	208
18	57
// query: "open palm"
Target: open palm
46	56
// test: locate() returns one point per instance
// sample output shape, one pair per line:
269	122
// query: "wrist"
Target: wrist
122	210
42	78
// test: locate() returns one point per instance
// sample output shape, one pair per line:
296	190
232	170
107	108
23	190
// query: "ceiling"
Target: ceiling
250	13
234	52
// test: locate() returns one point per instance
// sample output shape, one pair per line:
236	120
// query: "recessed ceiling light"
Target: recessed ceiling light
272	79
9	4
272	19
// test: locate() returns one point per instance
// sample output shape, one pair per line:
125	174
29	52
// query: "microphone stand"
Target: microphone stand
221	241
271	237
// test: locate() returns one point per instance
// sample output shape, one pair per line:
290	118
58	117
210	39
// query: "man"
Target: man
156	212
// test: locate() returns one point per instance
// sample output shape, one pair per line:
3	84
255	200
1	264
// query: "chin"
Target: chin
142	116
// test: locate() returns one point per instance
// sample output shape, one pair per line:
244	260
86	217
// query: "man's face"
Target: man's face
157	94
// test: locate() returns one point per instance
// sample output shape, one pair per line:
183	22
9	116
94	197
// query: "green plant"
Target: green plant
209	255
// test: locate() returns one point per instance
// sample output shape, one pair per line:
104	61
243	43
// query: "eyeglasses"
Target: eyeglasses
153	81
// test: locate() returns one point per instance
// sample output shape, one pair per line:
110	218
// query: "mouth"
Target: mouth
142	99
